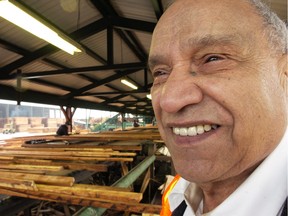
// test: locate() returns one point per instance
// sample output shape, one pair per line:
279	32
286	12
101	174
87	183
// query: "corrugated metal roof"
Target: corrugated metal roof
17	35
72	81
33	86
7	57
68	15
88	23
122	53
140	10
36	66
77	60
90	98
99	75
98	43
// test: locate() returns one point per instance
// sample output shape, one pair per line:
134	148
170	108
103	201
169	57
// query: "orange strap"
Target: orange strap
165	211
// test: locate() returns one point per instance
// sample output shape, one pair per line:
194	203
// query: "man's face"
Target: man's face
216	94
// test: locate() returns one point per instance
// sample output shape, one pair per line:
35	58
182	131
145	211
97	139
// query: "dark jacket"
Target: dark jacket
62	130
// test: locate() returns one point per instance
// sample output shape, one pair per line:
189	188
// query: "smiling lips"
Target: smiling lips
194	130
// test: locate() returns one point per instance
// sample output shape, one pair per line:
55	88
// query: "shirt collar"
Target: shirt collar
262	193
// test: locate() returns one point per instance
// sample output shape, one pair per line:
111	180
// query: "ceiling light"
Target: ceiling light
19	17
149	96
129	83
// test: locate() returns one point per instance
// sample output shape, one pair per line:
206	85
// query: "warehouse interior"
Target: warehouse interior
115	172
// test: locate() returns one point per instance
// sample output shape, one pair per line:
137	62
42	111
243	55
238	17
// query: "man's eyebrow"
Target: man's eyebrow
212	40
198	43
155	60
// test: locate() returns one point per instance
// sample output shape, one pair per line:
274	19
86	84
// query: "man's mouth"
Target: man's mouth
194	130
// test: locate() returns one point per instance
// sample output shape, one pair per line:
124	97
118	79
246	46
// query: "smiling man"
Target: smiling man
221	104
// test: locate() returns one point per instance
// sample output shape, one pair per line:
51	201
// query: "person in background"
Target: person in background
135	123
220	99
63	129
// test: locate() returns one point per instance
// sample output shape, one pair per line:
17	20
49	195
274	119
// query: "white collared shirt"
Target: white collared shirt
263	192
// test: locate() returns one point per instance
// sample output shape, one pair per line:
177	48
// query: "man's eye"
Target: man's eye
212	58
158	73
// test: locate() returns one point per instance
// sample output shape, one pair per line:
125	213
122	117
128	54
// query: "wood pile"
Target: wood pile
39	171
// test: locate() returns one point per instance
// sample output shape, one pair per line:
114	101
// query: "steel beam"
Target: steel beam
123	182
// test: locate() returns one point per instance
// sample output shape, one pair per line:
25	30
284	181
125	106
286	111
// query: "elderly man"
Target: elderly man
221	104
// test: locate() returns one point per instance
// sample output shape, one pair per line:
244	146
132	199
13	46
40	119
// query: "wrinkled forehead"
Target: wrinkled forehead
189	18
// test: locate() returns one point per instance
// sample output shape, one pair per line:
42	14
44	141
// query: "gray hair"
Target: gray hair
274	28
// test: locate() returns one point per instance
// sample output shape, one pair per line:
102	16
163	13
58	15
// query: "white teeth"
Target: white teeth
207	127
200	129
183	131
176	131
193	131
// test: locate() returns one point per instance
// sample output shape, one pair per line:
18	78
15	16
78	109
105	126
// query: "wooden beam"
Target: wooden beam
146	180
31	167
40	179
79	200
17	184
90	146
69	158
88	191
69	166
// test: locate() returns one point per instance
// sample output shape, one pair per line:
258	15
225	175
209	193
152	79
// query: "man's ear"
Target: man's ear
284	73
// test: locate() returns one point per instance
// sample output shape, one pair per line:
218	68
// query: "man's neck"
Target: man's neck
216	192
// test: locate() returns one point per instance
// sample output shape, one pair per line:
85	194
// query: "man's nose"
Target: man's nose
179	92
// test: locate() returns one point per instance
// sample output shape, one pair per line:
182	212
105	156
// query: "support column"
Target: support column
19	87
68	113
123	121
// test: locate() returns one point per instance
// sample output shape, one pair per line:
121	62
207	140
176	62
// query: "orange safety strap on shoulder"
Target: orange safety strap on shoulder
165	211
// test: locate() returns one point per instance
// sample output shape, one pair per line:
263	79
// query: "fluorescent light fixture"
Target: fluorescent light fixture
19	17
129	83
149	96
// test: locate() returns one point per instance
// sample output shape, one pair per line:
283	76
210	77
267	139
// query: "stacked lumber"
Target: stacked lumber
20	123
103	136
52	124
36	125
57	159
64	190
38	171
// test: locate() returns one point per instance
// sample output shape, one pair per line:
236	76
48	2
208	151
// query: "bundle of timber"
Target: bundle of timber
64	190
57	159
40	172
143	134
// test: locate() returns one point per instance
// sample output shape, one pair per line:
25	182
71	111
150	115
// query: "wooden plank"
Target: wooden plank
83	154
30	167
76	200
58	149
39	172
31	161
109	146
146	180
101	187
70	166
6	157
40	179
92	159
14	153
125	171
124	168
100	136
90	192
17	184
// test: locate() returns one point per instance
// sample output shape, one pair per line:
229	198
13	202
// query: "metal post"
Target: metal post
123	182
